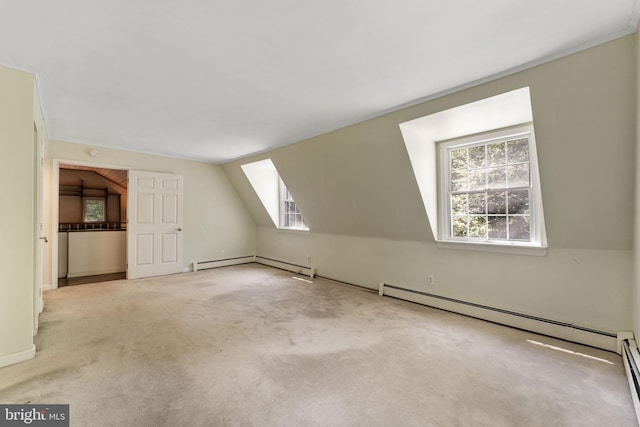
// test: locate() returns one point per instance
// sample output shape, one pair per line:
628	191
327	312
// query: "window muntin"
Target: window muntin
290	215
488	189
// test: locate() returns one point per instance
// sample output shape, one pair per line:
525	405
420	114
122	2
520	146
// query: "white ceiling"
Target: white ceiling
218	80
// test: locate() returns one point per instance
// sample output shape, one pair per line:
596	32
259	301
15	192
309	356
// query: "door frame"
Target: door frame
40	232
55	205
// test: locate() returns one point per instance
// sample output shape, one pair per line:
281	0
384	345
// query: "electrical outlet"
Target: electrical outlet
431	280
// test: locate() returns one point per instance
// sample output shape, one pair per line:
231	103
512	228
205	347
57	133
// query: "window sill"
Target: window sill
294	230
514	249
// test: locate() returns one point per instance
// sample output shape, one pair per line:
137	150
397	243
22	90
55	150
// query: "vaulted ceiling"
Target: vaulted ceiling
117	176
224	79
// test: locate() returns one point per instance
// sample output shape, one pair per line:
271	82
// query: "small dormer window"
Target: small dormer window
274	195
290	215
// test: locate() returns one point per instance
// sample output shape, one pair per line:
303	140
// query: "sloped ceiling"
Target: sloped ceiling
359	180
117	176
219	80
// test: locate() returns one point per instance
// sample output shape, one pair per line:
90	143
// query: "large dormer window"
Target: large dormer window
486	188
477	171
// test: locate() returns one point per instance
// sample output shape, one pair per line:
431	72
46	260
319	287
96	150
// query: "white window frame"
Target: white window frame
283	191
537	243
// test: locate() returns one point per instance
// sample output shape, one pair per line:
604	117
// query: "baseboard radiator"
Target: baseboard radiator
204	265
631	359
283	265
295	268
566	331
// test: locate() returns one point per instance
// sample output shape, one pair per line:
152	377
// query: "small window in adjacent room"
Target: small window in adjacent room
94	210
488	194
290	216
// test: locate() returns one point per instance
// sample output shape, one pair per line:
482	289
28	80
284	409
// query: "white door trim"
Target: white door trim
55	206
40	233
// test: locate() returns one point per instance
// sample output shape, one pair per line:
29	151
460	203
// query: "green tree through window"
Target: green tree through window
94	211
489	190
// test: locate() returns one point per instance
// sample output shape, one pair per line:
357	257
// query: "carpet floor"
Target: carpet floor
254	346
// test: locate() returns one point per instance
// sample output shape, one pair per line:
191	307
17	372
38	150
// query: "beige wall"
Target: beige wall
85	260
356	188
17	225
216	223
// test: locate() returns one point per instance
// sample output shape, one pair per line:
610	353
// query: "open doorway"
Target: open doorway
91	224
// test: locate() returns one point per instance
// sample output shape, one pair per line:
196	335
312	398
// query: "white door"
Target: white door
154	224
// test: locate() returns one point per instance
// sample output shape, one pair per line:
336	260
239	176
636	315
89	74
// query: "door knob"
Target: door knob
179	229
44	238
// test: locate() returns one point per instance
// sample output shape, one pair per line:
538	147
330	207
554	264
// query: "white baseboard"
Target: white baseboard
47	287
582	335
21	356
203	265
623	335
95	272
631	359
299	269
